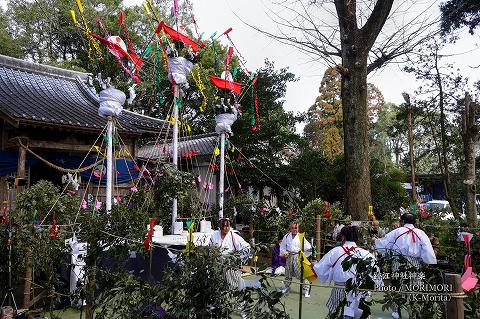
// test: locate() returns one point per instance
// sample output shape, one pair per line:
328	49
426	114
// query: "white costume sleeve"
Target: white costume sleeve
240	243
283	245
307	248
427	253
323	267
384	244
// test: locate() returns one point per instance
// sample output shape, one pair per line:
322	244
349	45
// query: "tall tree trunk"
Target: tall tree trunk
355	124
469	136
355	46
446	173
411	152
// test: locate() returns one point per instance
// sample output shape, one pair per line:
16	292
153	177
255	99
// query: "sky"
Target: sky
218	15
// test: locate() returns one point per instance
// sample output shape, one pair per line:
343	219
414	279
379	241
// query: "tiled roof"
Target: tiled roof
32	93
204	144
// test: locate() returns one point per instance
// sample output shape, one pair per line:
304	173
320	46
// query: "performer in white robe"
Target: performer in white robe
329	269
229	243
409	242
290	248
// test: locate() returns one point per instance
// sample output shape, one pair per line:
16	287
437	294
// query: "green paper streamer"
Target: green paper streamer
234	72
158	75
189	223
148	51
252	75
414	209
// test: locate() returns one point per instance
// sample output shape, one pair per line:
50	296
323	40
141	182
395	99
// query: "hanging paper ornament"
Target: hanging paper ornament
189	248
326	212
414	209
201	87
224	84
117	47
469	279
133	189
98	205
423	212
254	116
151	229
208	185
84	204
54	228
36	221
92	44
216	151
177	36
371	216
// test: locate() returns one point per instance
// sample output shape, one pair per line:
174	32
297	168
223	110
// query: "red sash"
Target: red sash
410	230
347	251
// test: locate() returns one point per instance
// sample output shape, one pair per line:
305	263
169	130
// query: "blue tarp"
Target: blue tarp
9	162
124	170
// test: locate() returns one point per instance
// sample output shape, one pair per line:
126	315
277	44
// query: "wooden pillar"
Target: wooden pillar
319	231
3	193
455	308
22	156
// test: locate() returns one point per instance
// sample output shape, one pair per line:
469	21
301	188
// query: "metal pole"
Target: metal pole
175	150
221	186
302	245
10	287
109	190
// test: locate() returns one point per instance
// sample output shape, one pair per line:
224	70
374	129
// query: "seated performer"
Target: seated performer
329	269
278	261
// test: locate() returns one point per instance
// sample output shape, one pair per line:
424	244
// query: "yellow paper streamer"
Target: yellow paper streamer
216	152
145	7
74	18
201	87
79	5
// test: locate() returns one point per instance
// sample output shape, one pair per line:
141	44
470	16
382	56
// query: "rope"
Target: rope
61	169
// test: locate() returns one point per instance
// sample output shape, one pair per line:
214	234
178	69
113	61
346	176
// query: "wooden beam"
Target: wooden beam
59	146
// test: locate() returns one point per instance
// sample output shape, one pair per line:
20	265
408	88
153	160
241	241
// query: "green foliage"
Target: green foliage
33	246
324	128
9	45
195	286
157	200
472	304
266	146
459	13
388	195
314	208
317	177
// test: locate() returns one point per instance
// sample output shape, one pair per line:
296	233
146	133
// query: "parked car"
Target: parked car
437	204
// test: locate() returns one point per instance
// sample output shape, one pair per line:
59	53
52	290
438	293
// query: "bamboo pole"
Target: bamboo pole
319	231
